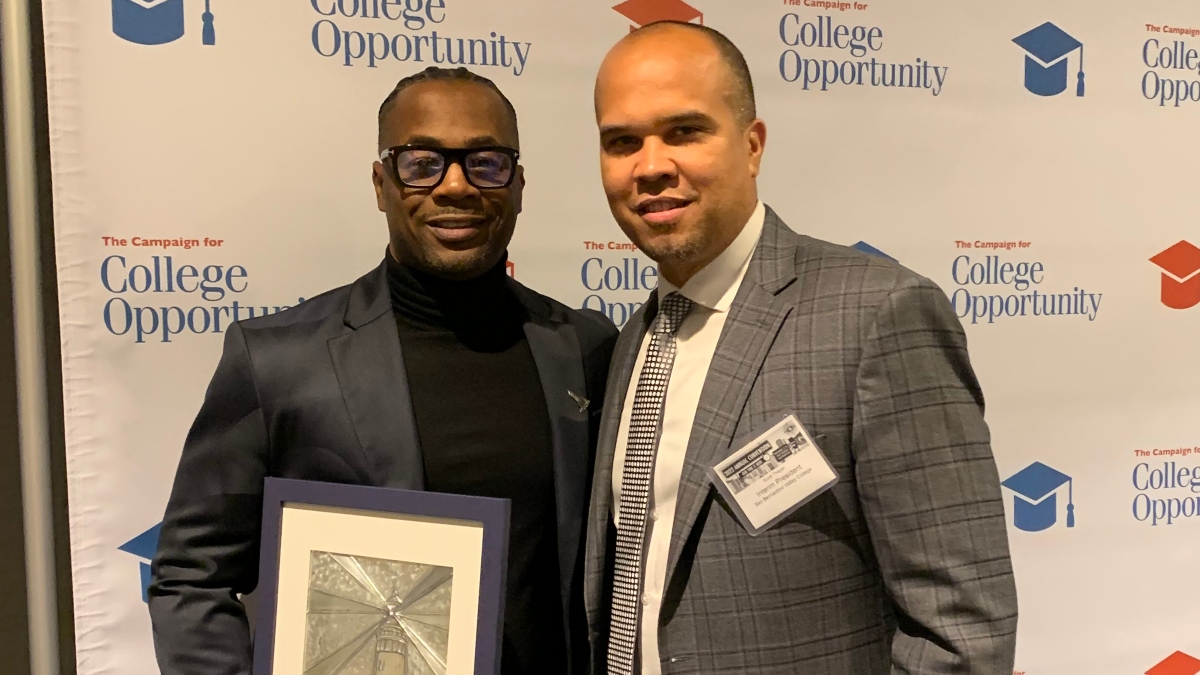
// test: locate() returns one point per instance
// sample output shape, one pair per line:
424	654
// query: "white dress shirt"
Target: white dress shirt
712	289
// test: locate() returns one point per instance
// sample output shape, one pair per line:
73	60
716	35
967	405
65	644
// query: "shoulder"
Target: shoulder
285	348
594	329
819	269
318	308
829	270
824	258
331	303
299	329
843	284
869	294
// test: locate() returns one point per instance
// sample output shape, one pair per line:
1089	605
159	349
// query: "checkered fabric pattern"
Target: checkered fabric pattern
903	566
644	425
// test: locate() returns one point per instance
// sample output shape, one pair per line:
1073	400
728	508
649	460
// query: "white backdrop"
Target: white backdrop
257	148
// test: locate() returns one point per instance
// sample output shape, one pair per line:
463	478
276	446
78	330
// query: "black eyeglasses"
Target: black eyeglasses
423	166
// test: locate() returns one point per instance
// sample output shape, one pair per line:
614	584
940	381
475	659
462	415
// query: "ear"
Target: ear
756	142
518	187
378	177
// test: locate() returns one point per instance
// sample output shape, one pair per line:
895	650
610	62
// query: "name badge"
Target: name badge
777	472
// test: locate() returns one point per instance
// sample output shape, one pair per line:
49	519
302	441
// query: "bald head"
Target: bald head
703	44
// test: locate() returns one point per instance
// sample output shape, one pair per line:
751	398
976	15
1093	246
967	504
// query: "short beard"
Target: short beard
472	264
679	252
460	268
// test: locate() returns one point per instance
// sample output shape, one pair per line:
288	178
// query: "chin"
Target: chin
669	248
466	264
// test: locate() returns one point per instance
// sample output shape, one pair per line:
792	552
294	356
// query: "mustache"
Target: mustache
452	212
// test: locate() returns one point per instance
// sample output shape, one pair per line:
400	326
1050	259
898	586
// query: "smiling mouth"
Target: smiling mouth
454	222
456	229
662	209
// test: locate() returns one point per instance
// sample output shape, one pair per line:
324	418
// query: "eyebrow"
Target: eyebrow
476	142
690	116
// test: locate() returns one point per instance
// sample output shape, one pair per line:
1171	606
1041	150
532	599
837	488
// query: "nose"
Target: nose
454	184
654	163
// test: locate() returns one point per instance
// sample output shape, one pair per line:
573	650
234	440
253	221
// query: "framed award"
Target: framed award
361	580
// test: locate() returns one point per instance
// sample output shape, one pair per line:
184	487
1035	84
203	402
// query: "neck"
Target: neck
484	302
678	272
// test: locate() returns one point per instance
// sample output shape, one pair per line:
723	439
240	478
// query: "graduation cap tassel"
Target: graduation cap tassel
1079	87
1071	483
209	34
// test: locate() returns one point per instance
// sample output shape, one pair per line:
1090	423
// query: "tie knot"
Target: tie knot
671	312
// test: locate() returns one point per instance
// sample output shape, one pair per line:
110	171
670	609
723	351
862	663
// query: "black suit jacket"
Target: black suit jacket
319	392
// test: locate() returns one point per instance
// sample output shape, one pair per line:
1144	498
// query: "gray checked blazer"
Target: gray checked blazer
903	566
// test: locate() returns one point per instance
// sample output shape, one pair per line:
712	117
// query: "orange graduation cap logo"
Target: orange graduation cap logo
1181	275
645	12
1176	664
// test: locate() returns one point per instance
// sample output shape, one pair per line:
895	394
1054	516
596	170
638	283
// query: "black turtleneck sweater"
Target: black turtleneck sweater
484	430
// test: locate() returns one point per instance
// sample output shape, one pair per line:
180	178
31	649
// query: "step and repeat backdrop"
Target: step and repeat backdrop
1038	159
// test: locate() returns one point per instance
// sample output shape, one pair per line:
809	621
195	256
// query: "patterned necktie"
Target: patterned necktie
640	445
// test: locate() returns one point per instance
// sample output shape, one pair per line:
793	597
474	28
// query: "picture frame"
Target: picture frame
366	579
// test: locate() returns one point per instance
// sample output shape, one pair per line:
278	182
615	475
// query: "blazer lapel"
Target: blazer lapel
762	304
559	361
370	372
600	514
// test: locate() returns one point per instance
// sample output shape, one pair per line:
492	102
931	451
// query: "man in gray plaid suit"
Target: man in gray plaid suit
902	566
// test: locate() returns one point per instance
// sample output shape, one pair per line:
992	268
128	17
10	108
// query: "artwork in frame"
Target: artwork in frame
374	581
369	615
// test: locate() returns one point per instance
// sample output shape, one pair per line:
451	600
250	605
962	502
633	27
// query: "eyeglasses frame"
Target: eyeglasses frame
451	156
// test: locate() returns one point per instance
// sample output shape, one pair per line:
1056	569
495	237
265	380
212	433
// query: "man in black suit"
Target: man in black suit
433	371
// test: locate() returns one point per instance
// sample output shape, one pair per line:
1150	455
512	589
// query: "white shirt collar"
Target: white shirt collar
716	284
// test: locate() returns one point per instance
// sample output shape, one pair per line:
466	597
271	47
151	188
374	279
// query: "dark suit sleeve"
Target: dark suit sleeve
208	549
597	337
930	490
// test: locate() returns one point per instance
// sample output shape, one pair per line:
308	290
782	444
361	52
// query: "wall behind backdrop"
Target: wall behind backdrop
1037	159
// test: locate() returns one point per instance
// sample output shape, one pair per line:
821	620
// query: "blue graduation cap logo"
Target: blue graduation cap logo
864	247
1047	47
156	22
1035	501
143	546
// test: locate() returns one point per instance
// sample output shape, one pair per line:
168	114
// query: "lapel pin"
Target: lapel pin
579	400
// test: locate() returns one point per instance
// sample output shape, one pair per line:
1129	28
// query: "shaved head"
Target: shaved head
739	91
